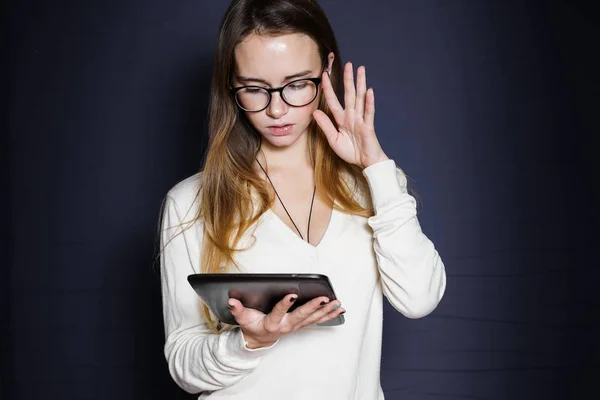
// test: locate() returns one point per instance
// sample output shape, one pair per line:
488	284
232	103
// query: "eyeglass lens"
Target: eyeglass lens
297	94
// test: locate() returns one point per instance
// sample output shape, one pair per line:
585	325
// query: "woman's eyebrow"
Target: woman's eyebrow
245	79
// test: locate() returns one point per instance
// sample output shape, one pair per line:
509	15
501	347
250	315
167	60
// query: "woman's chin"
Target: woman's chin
281	140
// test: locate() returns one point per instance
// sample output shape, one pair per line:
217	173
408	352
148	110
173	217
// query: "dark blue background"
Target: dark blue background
489	107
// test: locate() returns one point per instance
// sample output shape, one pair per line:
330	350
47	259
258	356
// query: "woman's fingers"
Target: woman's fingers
268	328
361	90
370	108
357	100
305	311
332	101
320	314
326	125
349	91
333	313
273	319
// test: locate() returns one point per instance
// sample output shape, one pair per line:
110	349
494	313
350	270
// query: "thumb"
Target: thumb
326	125
235	308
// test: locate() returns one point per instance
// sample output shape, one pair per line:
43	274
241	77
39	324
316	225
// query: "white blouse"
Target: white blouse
365	258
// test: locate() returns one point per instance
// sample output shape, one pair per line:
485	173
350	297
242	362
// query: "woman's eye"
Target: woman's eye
253	90
298	86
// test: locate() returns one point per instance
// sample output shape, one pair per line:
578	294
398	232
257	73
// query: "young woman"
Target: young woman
293	182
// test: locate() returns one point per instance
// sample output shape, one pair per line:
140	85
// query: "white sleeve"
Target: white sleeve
412	273
198	359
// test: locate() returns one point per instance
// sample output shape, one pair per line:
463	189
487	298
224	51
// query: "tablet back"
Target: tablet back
260	291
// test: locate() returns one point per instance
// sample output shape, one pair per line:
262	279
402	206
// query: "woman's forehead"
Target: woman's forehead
272	57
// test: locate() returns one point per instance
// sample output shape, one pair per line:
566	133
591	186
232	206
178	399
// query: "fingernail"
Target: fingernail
229	304
324	302
335	307
343	312
293	299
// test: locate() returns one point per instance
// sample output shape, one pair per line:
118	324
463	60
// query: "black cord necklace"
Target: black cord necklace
286	211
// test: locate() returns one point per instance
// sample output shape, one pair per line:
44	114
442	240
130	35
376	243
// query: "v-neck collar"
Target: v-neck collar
295	239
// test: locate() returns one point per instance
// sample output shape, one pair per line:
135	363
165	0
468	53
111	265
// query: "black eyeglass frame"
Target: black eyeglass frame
316	81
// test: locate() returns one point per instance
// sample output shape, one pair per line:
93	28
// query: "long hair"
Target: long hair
232	196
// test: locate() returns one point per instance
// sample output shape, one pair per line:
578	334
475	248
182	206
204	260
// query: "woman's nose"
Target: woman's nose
277	108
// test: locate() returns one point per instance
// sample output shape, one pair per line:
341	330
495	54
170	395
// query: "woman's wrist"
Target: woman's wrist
381	157
253	343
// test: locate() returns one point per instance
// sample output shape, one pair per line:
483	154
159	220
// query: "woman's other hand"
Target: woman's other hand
262	330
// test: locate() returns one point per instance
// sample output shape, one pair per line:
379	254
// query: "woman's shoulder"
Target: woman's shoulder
185	194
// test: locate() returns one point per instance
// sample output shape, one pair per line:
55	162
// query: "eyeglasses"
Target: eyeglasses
298	93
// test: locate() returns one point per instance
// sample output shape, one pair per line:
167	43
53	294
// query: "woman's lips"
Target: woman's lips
280	130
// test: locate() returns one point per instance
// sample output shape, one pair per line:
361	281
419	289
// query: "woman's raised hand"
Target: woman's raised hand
262	330
354	140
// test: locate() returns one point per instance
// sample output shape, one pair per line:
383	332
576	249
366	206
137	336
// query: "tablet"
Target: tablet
260	291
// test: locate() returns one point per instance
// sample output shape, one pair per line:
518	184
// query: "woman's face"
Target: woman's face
271	62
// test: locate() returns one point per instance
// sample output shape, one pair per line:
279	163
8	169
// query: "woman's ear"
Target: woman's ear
330	58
